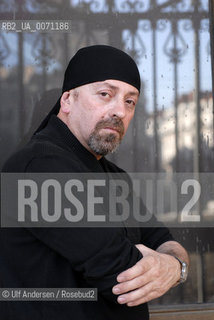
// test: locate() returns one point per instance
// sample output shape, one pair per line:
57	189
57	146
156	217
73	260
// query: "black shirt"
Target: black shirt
68	257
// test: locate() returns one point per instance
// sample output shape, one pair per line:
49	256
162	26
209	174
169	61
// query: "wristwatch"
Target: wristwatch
184	270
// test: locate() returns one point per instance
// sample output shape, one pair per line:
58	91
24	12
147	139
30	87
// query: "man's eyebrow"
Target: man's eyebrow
132	93
106	84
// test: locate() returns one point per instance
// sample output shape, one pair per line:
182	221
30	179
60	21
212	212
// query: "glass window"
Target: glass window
173	127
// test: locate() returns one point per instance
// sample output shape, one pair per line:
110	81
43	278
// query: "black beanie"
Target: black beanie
100	63
97	63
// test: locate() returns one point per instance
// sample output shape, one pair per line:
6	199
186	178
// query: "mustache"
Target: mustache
114	123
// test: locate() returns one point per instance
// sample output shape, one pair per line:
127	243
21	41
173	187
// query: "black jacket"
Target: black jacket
68	257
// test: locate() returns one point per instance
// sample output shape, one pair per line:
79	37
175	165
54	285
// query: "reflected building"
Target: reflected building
186	131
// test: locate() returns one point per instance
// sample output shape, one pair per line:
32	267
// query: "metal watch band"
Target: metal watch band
184	270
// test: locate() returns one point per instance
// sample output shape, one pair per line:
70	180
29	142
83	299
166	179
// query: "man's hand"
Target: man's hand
148	279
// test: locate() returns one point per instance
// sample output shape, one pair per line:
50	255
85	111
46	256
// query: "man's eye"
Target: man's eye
104	94
131	102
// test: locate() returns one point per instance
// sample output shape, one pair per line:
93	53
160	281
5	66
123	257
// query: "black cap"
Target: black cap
99	63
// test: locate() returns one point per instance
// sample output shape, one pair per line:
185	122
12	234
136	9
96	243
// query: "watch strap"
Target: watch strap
184	270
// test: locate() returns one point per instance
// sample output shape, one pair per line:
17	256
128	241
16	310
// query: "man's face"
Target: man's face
100	114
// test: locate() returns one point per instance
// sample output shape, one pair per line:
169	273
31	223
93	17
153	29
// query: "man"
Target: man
128	266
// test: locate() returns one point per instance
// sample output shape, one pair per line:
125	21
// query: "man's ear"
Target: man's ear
65	102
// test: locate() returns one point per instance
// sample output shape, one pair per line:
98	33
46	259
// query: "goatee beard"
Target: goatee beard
102	144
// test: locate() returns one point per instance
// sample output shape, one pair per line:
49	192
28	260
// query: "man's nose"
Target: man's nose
118	109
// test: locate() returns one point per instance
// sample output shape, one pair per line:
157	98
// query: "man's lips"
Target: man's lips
112	129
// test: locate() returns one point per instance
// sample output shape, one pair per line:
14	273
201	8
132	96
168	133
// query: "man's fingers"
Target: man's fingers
140	267
133	284
141	295
137	270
